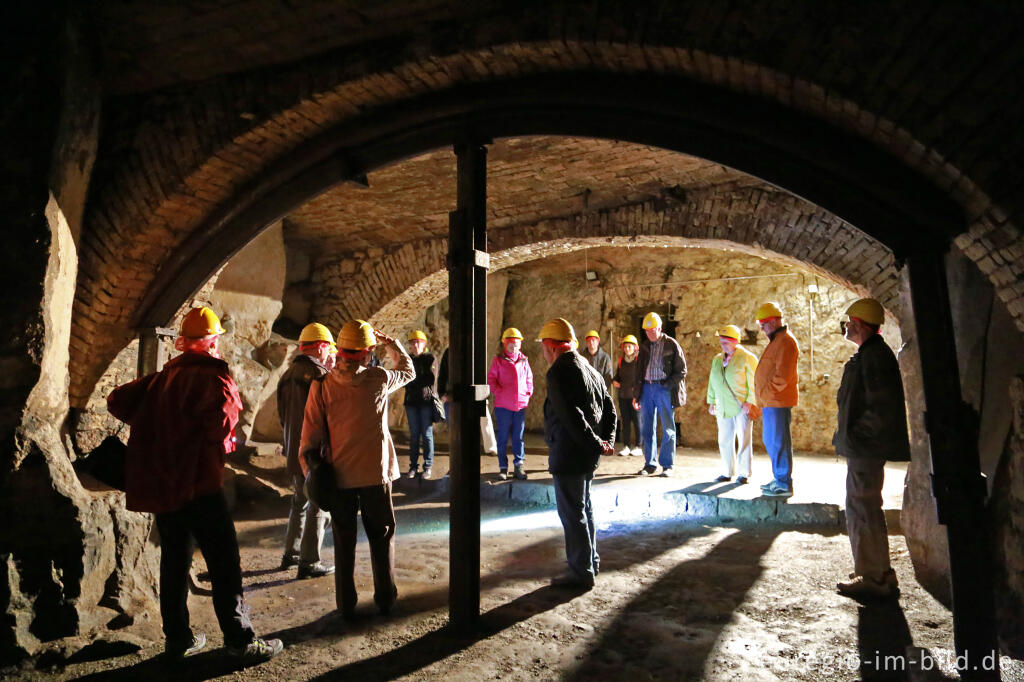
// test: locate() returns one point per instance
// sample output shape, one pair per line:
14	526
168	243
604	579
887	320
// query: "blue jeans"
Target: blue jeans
572	497
657	402
421	435
514	422
778	442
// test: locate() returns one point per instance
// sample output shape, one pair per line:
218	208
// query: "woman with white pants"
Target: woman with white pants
731	401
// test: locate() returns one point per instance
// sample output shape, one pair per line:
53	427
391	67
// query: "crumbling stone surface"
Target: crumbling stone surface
1007	513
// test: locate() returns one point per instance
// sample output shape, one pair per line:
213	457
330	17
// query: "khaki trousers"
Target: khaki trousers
865	522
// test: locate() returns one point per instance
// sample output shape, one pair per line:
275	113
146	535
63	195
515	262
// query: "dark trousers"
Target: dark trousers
379	523
208	520
629	434
572	497
421	435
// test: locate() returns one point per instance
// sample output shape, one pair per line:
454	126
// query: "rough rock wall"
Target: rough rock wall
1007	506
247	296
990	363
71	558
631	284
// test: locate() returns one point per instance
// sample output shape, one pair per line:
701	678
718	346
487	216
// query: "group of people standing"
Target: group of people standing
333	404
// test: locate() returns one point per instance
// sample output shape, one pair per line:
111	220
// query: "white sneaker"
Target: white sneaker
623	452
637	452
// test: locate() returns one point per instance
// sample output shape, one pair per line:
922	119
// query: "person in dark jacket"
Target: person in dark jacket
597	358
183	420
306	522
661	388
419	403
579	427
871	430
626	380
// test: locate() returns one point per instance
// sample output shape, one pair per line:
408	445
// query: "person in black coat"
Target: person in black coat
579	427
871	430
419	404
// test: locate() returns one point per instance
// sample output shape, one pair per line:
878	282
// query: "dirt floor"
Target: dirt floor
675	600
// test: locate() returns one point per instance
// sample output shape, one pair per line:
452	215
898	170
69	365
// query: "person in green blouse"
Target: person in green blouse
731	401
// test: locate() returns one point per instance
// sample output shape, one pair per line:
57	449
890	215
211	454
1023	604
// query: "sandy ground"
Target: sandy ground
675	601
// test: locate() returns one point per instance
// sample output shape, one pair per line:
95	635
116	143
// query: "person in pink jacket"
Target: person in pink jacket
511	382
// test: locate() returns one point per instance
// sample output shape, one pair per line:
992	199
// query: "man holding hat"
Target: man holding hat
660	389
183	424
871	430
775	385
579	427
306	522
731	401
347	420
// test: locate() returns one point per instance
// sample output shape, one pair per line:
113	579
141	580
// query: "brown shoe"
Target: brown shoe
861	587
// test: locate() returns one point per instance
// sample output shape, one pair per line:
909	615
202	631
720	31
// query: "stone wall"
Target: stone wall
990	363
71	557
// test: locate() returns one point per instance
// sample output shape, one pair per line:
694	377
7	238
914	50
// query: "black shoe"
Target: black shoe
724	479
520	473
571	581
289	561
317	570
647	471
258	650
741	480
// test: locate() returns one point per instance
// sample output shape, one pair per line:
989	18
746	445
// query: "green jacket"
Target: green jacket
740	377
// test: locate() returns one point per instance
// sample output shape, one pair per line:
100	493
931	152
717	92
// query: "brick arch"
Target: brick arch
195	175
394	288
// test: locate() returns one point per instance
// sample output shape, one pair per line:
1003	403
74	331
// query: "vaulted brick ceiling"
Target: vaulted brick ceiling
529	179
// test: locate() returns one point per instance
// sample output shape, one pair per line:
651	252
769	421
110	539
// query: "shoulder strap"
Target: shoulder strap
725	380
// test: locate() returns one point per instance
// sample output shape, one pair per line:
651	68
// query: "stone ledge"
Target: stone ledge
625	502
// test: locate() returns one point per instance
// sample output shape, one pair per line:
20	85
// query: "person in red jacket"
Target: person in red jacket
183	421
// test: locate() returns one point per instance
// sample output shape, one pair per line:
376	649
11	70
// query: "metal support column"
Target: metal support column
957	482
467	328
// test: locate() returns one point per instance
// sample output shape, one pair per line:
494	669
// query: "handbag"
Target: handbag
320	483
755	411
436	410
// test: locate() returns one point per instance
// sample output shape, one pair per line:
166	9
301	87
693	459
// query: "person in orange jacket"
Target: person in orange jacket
775	385
183	424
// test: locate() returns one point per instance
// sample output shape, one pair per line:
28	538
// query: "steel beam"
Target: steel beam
957	482
467	327
151	355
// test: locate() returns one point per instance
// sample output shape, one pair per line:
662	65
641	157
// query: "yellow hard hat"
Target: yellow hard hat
592	332
356	335
557	329
867	309
767	310
629	338
652	320
731	331
417	335
314	332
511	333
200	322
